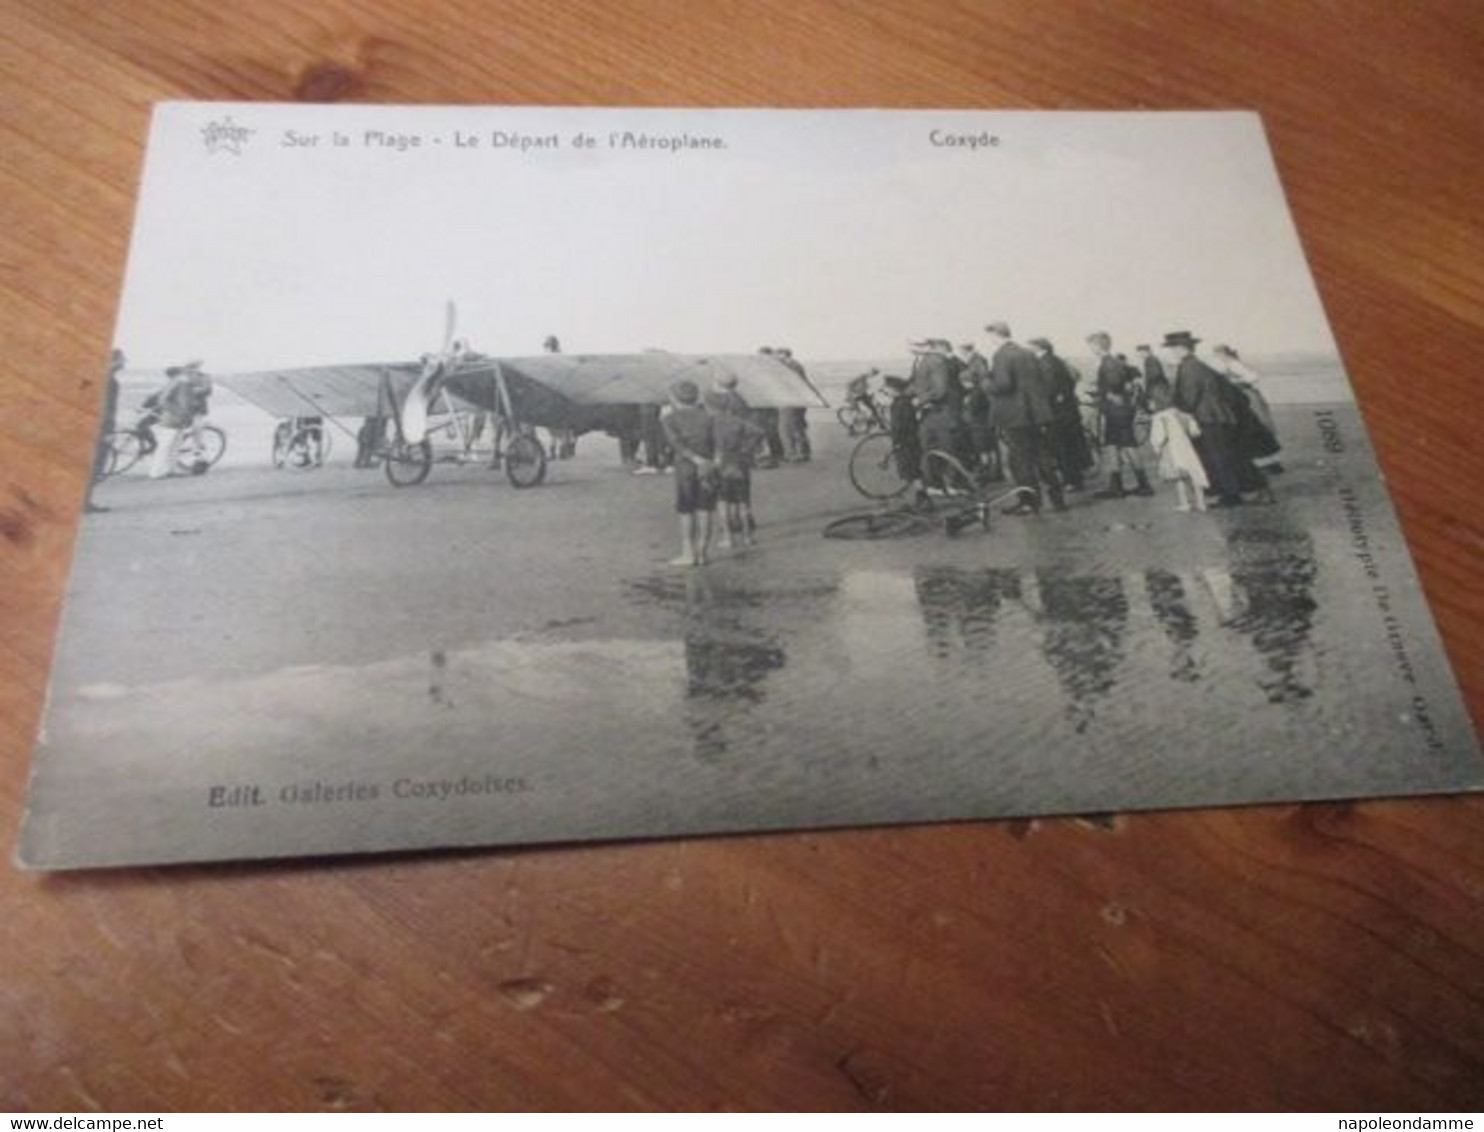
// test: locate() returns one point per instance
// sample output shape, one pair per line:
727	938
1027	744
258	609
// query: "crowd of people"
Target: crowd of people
1011	411
1018	406
645	449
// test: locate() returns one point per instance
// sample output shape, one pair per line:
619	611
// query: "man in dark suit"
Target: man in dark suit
1067	440
1020	396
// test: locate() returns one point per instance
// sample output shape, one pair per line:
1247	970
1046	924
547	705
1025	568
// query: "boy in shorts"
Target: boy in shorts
690	432
737	441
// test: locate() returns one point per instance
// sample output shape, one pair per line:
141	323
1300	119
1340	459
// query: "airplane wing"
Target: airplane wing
547	389
591	380
328	391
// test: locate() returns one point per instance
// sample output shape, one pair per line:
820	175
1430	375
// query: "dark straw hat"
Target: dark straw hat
1180	338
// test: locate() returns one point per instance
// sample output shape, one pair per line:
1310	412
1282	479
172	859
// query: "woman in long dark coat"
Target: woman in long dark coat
1257	434
1212	400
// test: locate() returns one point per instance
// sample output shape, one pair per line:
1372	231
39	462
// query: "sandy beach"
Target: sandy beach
303	633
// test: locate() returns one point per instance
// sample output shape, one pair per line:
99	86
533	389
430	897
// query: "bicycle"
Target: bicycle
127	446
876	471
301	444
957	501
193	454
875	467
198	450
862	414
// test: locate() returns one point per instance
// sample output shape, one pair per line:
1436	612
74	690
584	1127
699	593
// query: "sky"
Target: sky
839	234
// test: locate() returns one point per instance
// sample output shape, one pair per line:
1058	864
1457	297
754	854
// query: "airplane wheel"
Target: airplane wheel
408	464
525	462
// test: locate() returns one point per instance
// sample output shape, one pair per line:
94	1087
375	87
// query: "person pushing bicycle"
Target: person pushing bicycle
182	405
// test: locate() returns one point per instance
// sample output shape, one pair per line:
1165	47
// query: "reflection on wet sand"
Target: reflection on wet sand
1166	593
1081	623
1084	618
729	651
959	609
1275	573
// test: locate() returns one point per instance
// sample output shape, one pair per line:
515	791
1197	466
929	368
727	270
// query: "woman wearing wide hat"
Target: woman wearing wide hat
1257	436
1208	397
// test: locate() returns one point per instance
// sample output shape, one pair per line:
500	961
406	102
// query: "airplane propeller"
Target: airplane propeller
450	321
420	396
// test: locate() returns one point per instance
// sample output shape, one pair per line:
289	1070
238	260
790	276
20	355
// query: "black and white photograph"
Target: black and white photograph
492	476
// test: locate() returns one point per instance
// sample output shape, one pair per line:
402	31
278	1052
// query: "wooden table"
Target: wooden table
1324	956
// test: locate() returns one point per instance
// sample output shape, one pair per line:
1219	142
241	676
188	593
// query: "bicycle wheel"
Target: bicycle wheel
873	468
299	455
211	446
878	525
943	472
852	419
525	461
408	464
124	451
190	455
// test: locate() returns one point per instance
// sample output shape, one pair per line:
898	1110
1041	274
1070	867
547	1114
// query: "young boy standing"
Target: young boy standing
737	441
691	433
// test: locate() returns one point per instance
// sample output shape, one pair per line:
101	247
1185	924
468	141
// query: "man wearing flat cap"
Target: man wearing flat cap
940	411
984	443
1021	407
1200	391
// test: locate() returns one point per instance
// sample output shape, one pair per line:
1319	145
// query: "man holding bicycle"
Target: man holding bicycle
182	405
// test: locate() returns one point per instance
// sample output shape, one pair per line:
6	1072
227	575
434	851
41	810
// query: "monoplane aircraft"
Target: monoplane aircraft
580	392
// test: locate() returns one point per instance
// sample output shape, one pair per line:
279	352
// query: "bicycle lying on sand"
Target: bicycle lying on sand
957	499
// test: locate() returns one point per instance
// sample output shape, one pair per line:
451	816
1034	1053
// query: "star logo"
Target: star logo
226	136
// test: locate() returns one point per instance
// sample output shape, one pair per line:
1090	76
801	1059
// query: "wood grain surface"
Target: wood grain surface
1320	956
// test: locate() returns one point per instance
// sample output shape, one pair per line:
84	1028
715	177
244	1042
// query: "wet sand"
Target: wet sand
463	662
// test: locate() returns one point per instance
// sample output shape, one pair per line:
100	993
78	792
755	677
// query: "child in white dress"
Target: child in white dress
1172	434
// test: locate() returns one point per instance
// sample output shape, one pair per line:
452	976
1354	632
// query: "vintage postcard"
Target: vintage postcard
488	476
